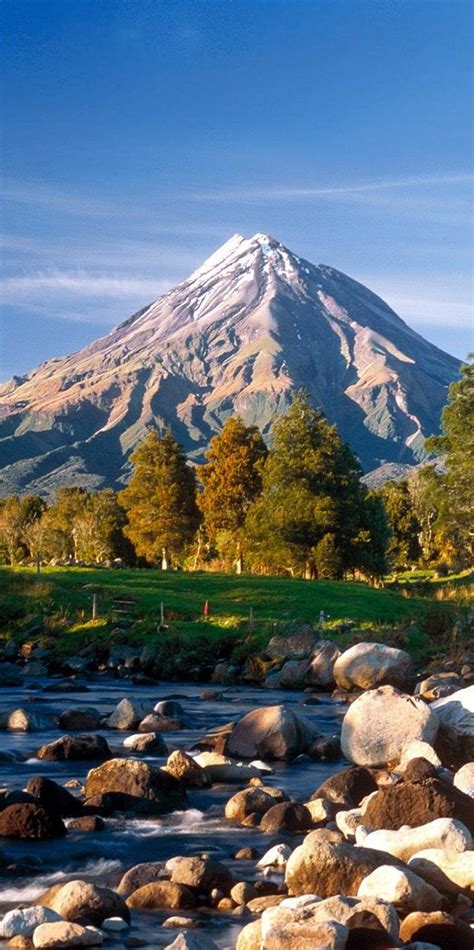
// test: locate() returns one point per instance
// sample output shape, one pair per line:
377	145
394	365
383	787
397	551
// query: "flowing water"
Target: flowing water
104	856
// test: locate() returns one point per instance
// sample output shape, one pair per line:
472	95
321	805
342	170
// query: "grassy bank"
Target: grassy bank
57	606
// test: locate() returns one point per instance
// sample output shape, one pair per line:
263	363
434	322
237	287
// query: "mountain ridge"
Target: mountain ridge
248	326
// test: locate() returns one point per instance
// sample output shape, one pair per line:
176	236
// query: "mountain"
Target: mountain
246	328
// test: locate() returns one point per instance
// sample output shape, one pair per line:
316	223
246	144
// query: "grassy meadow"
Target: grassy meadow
244	611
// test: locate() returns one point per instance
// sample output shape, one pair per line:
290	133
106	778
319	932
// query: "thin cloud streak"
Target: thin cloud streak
328	191
15	289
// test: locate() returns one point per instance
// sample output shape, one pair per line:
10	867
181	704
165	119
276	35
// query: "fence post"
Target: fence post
162	614
94	606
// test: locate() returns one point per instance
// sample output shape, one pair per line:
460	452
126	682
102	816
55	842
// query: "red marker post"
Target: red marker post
206	609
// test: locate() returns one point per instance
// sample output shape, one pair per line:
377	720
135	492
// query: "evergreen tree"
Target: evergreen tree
311	489
404	548
232	480
160	500
456	446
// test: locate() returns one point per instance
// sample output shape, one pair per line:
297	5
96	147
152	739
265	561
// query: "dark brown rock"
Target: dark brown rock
348	787
417	803
30	821
437	928
147	873
78	748
161	894
286	816
91	823
53	797
202	875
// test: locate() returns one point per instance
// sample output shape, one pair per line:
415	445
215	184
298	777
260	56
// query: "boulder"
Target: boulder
292	675
146	743
155	723
307	935
254	800
320	670
275	857
455	740
321	810
451	872
402	888
464	779
88	824
347	787
136	778
222	769
80	900
446	833
53	797
187	770
338	908
30	821
81	717
20	720
326	868
417	803
161	894
64	934
147	873
437	928
381	722
22	921
169	709
76	748
416	749
128	713
250	938
286	816
271	732
298	645
202	875
438	685
368	665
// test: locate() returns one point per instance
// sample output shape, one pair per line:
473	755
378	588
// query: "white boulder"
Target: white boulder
447	833
381	722
449	871
464	779
402	888
22	921
368	665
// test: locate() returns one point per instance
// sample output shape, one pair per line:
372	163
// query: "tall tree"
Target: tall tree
18	516
404	548
160	500
232	480
456	446
311	510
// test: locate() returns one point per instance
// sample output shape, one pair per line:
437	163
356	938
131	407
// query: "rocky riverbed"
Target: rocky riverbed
202	816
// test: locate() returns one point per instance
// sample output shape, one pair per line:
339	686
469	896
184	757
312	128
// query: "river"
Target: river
103	857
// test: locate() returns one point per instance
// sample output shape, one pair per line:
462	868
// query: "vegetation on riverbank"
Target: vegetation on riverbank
243	611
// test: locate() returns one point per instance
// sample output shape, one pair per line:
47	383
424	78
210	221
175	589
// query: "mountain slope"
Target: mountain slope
251	324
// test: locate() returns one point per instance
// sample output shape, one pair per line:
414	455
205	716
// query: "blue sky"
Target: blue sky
138	135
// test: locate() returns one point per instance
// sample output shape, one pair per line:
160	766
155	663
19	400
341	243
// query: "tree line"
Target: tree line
298	508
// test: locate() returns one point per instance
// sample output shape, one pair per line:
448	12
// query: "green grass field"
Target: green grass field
60	601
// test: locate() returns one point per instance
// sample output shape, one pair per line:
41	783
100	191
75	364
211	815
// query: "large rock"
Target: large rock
307	934
91	747
80	717
128	713
30	821
254	800
402	888
187	770
347	787
451	872
286	816
20	720
63	934
417	803
455	740
54	798
202	875
438	685
444	833
436	928
271	732
381	722
79	900
22	921
464	779
338	908
298	645
137	779
326	868
292	675
250	938
161	894
147	873
146	743
220	768
368	665
320	670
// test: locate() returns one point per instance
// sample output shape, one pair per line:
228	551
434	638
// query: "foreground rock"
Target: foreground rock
255	800
451	872
402	888
436	929
138	780
184	768
444	833
368	665
161	894
64	934
381	722
77	748
417	803
79	900
147	873
22	921
455	740
146	743
272	732
29	821
54	798
326	868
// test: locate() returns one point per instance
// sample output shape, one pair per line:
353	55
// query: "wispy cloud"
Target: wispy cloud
293	192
